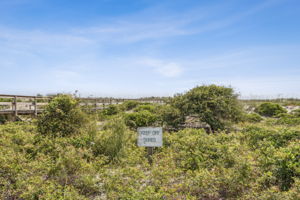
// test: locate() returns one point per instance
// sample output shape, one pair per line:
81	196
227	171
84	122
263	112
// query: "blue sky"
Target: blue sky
133	48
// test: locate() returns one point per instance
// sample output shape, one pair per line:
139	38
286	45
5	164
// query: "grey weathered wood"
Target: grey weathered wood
35	107
149	154
14	107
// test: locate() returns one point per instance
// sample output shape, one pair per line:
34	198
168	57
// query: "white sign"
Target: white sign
150	137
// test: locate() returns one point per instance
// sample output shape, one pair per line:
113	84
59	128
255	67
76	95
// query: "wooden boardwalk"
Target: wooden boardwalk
33	105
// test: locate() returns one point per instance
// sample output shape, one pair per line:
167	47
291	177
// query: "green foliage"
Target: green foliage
141	119
270	109
111	110
170	116
290	120
36	167
196	149
287	165
147	107
6	99
255	136
215	105
111	141
5	118
257	161
253	117
61	117
296	113
129	105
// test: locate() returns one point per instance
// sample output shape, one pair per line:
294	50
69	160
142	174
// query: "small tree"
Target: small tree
170	116
270	109
215	105
62	117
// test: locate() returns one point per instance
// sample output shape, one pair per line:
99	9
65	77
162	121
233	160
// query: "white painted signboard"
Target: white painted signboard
150	137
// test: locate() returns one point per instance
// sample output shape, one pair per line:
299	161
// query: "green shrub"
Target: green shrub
141	119
260	162
253	117
256	136
150	108
270	109
111	141
215	105
196	149
284	115
61	117
288	120
296	113
111	110
170	116
287	165
129	105
5	118
291	119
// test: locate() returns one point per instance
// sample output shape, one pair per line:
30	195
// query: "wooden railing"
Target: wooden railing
21	104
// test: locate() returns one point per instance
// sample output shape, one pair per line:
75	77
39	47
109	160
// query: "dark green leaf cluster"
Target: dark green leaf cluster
171	117
269	109
111	110
215	105
62	117
141	119
253	117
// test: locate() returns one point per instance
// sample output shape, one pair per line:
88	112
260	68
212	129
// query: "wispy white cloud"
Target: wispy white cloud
41	38
137	27
164	68
65	75
134	28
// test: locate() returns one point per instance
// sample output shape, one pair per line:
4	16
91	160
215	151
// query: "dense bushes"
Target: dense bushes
111	141
170	116
259	162
141	119
291	119
270	109
253	117
129	105
288	120
215	105
62	117
296	113
111	110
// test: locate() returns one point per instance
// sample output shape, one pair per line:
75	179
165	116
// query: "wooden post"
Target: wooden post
95	104
35	106
15	106
149	154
